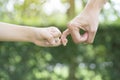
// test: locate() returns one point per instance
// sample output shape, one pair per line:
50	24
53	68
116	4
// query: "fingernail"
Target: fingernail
65	42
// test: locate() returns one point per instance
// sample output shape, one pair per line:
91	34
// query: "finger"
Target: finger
55	32
92	33
57	43
64	37
77	38
51	40
45	43
91	37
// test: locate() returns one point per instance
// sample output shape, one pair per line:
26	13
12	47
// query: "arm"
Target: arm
10	32
46	37
86	20
95	5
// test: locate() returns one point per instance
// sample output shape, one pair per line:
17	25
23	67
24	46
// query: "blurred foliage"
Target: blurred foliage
26	61
100	61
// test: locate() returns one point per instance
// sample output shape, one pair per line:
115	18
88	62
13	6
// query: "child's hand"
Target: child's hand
47	37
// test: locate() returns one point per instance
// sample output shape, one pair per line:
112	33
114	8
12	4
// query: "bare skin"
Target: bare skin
45	37
87	20
50	37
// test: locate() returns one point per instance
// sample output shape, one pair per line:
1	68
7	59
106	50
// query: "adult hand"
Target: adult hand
87	21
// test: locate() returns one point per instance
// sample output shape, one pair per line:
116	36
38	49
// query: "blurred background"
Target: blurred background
26	61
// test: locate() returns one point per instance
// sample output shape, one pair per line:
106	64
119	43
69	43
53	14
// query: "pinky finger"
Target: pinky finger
63	37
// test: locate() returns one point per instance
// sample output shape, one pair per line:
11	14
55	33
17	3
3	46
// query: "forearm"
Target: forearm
9	32
95	5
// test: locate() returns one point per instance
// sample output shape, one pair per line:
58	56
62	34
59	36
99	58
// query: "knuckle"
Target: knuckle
59	33
54	28
70	25
93	31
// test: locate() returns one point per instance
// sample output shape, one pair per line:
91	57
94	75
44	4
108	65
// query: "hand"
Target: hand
87	21
47	37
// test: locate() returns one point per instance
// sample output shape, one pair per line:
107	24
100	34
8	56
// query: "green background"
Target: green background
26	61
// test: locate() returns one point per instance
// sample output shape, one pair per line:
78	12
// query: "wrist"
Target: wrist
95	5
29	33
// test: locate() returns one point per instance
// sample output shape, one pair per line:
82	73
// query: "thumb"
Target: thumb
63	37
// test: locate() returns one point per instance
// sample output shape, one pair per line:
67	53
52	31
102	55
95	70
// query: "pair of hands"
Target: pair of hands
87	21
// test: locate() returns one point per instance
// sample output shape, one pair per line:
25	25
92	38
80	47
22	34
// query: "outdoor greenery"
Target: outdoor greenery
26	61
